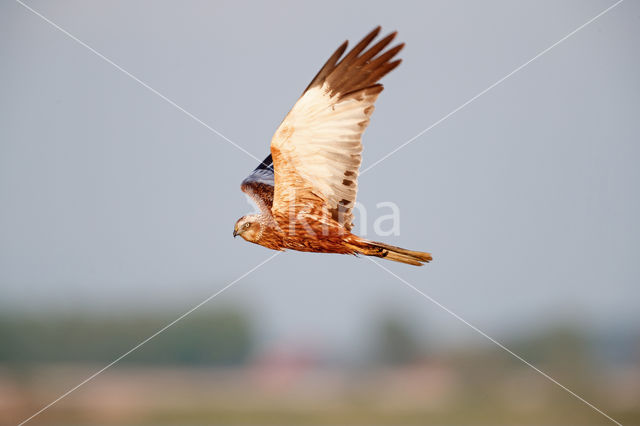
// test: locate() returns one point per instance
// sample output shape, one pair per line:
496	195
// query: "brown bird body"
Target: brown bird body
306	188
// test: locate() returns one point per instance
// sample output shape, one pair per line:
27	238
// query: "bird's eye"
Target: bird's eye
246	225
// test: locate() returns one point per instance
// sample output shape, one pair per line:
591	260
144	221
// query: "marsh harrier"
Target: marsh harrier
306	188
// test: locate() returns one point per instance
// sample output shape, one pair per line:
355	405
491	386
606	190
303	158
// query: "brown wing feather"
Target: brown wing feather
259	185
260	193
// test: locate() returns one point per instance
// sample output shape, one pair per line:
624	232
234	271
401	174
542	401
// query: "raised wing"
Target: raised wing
259	185
317	148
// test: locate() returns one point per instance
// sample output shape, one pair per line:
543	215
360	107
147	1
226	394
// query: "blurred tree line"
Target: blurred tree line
220	338
227	337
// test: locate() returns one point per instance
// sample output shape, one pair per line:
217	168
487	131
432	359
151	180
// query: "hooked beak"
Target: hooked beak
235	233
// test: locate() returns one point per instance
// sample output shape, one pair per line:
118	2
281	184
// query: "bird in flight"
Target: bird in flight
306	188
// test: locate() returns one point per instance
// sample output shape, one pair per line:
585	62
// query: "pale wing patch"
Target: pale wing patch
320	142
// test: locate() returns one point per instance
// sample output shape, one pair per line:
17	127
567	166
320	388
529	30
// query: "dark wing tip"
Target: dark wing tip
267	164
342	48
374	32
362	66
329	66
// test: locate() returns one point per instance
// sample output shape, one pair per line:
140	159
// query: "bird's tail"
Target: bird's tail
386	251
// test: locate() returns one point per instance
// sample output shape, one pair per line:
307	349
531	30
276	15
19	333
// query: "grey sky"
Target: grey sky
111	198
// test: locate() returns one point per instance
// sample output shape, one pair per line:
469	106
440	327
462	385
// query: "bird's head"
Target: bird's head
248	227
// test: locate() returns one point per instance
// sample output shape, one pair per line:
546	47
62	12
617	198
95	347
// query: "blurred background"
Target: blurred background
116	214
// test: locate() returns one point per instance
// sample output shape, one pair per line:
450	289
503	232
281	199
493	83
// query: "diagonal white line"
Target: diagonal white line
88	379
127	73
482	333
492	86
